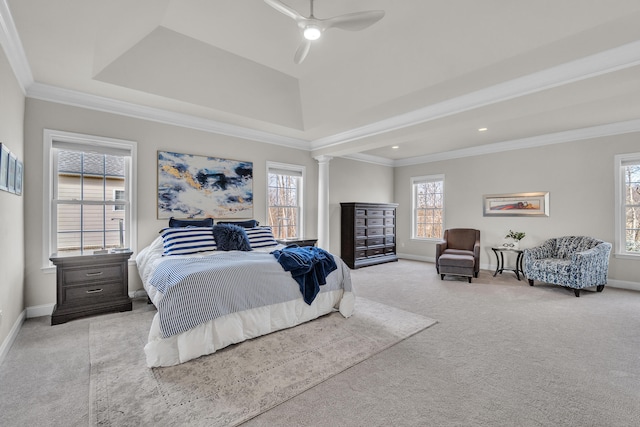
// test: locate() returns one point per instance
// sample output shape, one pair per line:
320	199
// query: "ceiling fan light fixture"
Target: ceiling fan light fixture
311	32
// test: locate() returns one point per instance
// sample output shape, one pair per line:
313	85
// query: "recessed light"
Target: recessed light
395	147
482	129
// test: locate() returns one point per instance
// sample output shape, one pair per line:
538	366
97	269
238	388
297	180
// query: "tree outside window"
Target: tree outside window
632	207
284	185
428	207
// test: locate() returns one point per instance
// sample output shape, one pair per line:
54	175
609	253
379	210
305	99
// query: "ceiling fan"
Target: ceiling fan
312	27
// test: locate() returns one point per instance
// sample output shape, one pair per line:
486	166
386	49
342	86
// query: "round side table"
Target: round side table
499	251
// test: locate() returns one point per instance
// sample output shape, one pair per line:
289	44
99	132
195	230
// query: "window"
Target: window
428	207
285	201
90	200
118	194
628	204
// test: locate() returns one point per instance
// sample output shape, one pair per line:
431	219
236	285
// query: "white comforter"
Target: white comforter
212	335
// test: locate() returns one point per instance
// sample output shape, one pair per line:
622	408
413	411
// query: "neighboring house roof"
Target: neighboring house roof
71	162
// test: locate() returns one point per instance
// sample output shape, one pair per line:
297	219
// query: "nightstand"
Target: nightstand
90	284
299	242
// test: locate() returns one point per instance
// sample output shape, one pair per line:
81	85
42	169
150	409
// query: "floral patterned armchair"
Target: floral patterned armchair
575	262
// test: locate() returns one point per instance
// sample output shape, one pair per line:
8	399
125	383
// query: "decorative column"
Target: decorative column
323	201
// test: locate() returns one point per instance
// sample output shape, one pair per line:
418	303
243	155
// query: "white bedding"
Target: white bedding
231	328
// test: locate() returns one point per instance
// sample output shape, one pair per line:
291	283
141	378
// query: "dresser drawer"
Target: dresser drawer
360	222
361	232
389	221
375	241
361	243
374	231
375	252
92	293
389	212
361	212
375	212
361	254
104	273
375	221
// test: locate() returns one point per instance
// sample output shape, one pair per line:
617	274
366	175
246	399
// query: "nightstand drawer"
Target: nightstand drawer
104	273
92	293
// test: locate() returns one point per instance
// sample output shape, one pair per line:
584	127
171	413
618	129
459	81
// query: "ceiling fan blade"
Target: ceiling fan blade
284	9
355	21
302	51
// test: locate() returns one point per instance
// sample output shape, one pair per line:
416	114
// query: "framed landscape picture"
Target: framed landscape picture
191	186
516	204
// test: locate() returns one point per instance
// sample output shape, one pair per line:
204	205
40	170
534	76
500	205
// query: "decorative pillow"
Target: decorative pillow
187	240
207	222
250	223
261	237
230	237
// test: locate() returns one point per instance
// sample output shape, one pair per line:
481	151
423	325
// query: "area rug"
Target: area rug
236	383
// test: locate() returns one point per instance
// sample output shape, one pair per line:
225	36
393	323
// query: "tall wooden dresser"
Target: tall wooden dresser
368	233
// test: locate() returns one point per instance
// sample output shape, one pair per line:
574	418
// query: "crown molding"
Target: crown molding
608	61
611	60
368	158
108	105
530	142
10	41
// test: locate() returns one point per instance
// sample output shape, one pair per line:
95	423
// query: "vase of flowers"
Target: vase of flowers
513	239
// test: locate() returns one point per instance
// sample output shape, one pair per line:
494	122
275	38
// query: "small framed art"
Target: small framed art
19	167
4	166
11	174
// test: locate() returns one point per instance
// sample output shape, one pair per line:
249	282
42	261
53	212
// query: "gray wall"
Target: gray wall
11	206
579	177
151	137
354	181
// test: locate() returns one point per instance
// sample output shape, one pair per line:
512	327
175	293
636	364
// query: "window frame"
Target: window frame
300	191
50	183
620	248
418	180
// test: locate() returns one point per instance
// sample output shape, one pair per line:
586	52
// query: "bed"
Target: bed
214	298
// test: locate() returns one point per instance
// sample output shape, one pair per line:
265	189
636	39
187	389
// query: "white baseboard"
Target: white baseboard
13	333
620	284
623	284
40	310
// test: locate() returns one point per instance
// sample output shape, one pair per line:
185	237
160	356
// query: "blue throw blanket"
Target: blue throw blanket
309	266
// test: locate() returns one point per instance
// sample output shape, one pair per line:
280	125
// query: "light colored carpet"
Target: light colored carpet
239	382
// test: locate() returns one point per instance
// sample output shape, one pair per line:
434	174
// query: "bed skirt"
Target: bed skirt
233	328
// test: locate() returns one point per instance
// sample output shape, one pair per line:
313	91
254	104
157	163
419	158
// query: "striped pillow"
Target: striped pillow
188	240
260	237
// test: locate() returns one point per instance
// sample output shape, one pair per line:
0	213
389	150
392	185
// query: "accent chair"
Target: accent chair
459	253
575	262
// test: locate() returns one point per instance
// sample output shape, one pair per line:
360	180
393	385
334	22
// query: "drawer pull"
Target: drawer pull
94	291
99	273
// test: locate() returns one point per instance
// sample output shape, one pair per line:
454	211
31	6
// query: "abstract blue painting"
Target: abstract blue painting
191	186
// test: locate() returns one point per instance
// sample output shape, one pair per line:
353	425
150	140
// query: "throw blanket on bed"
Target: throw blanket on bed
196	290
309	266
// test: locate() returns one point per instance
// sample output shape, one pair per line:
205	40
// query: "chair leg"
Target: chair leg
577	292
442	277
600	288
469	279
530	282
